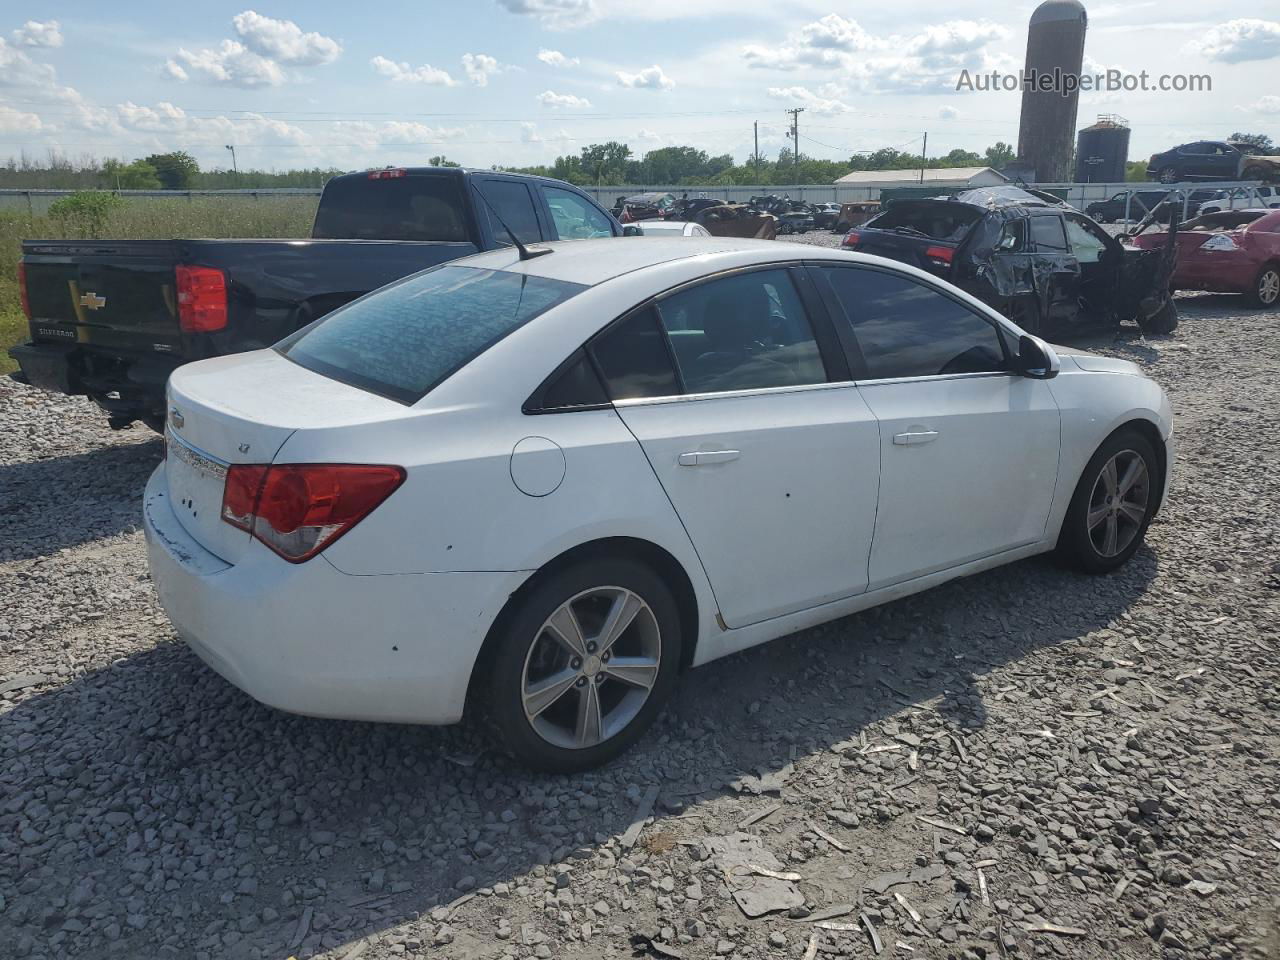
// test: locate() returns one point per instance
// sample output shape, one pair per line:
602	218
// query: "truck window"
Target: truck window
575	217
1046	230
392	208
514	205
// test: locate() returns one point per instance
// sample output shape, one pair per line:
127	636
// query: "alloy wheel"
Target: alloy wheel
591	667
1118	503
1269	286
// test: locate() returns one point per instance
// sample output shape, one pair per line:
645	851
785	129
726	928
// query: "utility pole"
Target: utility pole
234	169
756	127
795	135
924	155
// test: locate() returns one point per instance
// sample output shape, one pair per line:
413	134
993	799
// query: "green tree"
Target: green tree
999	155
605	162
1260	142
85	212
441	161
177	170
139	175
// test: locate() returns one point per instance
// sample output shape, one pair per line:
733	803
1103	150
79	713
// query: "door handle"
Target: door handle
911	439
698	458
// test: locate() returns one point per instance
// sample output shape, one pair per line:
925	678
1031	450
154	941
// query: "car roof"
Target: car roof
591	262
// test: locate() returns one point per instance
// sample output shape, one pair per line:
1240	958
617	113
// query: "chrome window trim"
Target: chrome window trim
736	394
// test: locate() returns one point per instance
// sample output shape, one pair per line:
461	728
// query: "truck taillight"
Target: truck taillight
298	509
852	238
394	174
202	299
22	289
939	256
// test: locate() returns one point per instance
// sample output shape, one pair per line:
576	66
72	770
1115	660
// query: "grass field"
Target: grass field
145	217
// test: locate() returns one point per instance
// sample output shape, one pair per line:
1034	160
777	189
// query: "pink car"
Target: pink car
1234	251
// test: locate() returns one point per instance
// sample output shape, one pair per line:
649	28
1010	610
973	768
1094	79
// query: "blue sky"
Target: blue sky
520	81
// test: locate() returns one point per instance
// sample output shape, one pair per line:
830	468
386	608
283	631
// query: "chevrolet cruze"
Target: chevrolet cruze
540	483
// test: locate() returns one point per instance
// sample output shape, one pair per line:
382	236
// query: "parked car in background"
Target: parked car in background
672	228
544	487
855	214
111	319
644	206
1252	198
1212	160
1232	251
1142	202
1048	267
825	214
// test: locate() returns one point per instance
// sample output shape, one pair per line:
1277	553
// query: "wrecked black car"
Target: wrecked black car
1043	264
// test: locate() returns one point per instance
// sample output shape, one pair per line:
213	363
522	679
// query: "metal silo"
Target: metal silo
1055	48
1102	150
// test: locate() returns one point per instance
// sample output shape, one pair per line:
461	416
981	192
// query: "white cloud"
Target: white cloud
948	113
809	100
554	58
553	100
479	67
231	64
284	41
19	70
35	33
403	73
1269	104
554	13
18	121
650	78
927	61
1238	40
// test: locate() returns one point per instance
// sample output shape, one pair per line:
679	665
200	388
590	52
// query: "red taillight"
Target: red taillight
298	509
940	256
202	299
386	174
852	238
22	289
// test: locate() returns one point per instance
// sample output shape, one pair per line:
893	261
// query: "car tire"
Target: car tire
540	692
1266	286
1164	320
1025	312
1169	175
1098	535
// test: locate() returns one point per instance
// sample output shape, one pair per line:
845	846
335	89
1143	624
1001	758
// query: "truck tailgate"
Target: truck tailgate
109	293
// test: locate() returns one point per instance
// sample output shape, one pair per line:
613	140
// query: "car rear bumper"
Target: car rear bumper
309	639
1221	273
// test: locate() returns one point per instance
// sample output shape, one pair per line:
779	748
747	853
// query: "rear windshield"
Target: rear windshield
398	208
936	220
406	338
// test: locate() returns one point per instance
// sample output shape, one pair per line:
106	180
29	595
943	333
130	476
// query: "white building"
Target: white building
933	177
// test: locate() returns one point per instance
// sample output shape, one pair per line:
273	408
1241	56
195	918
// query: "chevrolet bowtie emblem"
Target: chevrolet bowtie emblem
92	301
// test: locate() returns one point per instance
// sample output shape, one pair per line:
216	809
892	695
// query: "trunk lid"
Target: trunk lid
111	293
241	409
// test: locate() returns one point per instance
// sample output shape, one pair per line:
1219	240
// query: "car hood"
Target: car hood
1096	363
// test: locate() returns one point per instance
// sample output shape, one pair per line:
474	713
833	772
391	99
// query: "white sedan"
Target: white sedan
672	228
544	485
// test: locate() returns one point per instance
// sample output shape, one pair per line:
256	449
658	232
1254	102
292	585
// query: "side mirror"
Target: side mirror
631	230
1036	359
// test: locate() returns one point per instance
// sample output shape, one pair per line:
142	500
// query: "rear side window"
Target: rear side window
634	358
396	208
509	202
405	338
906	329
1048	234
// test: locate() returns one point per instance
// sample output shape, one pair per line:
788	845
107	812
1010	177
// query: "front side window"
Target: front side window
575	217
1048	235
747	331
907	329
1086	243
509	202
405	338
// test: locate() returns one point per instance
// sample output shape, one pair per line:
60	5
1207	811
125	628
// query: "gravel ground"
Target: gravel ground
1025	763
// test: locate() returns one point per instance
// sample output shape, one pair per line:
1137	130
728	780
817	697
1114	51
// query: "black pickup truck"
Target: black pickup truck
112	318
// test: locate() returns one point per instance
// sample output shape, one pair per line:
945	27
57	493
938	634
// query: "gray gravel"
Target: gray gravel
1029	762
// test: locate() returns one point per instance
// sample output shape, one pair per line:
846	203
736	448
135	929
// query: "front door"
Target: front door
968	449
772	468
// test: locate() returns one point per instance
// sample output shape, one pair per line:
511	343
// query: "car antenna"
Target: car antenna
526	253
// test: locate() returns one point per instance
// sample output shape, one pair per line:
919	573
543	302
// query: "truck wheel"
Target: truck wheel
1164	320
1266	289
1025	312
583	664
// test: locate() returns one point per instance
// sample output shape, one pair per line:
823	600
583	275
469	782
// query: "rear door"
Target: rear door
739	395
504	203
1057	270
968	449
